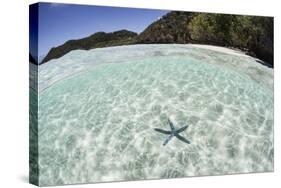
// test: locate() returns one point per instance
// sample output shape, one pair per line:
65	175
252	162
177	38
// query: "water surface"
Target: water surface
98	108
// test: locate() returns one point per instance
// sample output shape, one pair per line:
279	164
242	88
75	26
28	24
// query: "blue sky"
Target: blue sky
61	22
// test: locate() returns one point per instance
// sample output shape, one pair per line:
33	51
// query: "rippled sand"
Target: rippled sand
96	117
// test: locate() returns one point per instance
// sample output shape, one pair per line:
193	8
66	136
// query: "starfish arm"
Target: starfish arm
181	129
171	124
182	138
162	131
167	140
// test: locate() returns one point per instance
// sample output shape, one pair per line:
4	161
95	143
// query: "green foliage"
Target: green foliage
210	28
242	31
171	28
251	33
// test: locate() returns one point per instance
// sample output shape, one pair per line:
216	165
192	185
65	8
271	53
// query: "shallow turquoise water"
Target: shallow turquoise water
97	124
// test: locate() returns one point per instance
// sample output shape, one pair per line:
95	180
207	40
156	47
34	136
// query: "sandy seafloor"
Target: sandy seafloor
98	109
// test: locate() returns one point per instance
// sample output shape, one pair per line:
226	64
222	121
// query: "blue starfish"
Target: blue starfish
173	132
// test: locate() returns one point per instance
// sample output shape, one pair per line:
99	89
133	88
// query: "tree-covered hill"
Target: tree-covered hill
252	34
249	33
97	40
171	28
